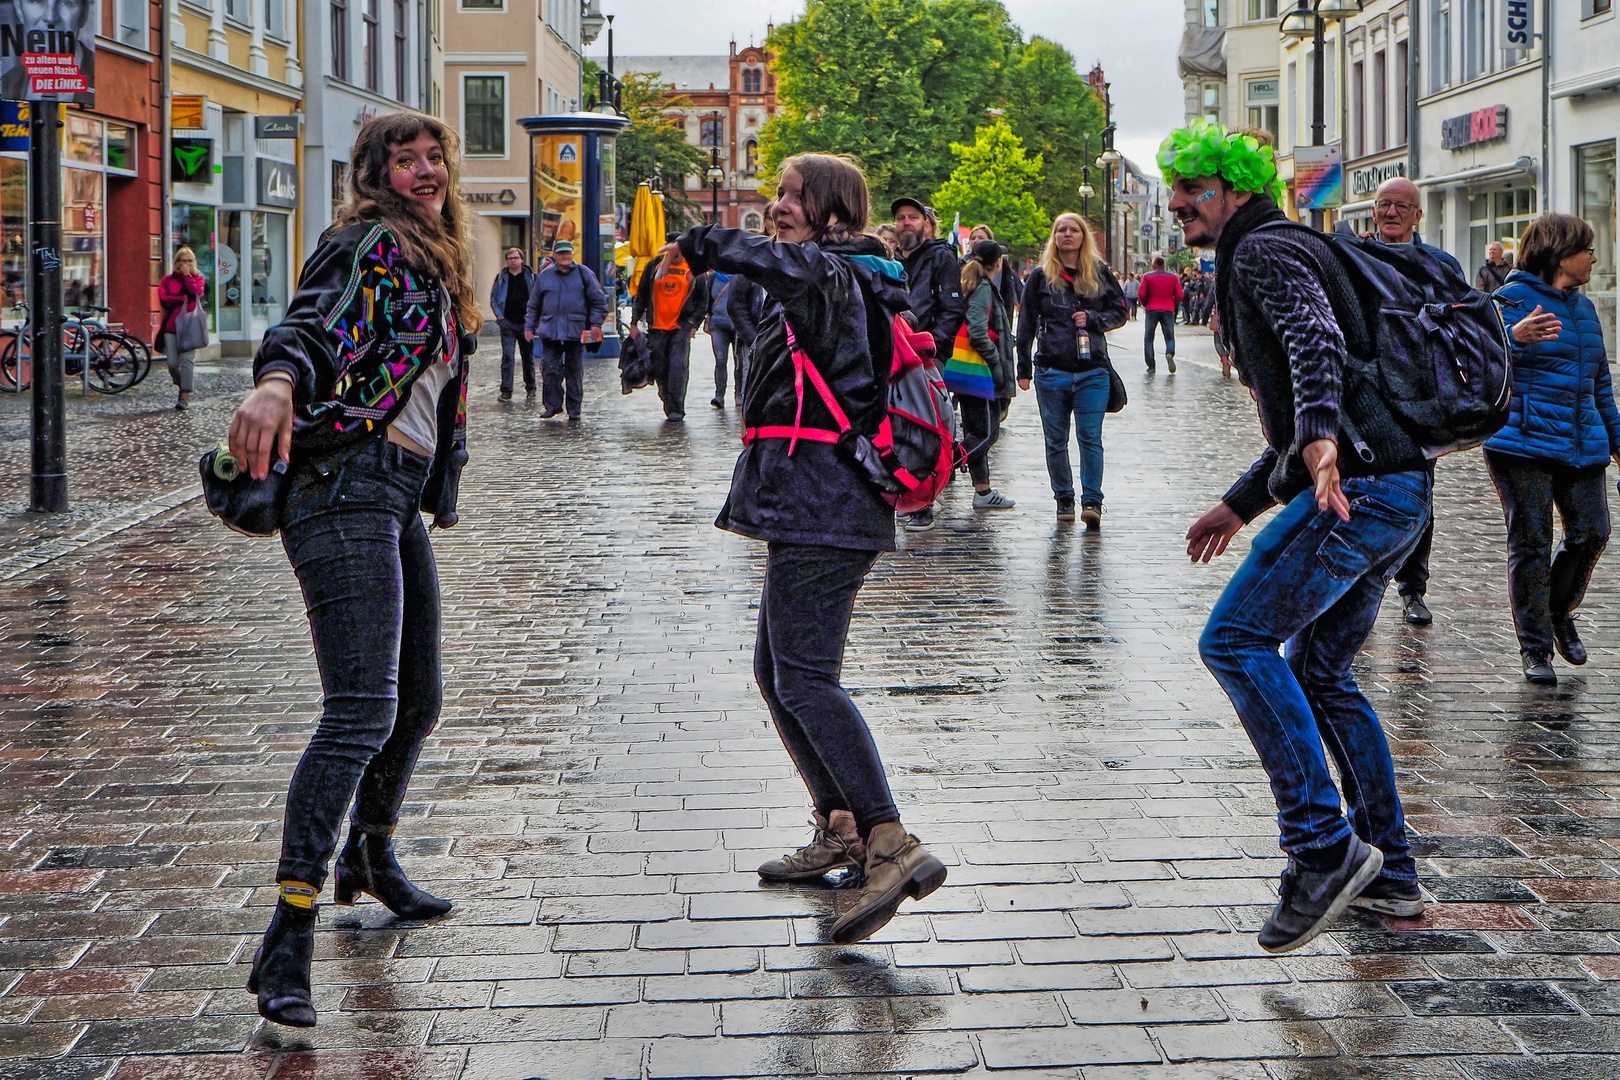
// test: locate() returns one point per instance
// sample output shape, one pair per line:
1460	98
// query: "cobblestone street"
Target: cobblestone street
605	779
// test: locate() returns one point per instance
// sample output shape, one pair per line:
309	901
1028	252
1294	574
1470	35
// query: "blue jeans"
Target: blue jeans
1313	584
1084	394
1167	321
353	531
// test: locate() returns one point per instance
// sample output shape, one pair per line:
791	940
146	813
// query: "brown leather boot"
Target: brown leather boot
834	846
897	866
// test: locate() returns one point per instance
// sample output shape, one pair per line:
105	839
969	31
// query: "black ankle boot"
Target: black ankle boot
367	865
280	975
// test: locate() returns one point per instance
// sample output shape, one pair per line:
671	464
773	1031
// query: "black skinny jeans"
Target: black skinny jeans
1544	585
355	536
981	427
798	656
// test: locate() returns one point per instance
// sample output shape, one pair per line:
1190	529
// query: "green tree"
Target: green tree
655	144
892	83
1051	107
992	184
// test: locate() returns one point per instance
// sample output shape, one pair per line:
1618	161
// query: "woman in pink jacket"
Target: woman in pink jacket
180	290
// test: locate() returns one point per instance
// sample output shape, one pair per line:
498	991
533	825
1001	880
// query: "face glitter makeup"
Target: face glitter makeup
1210	194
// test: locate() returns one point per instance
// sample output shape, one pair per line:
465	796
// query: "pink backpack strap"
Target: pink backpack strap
802	364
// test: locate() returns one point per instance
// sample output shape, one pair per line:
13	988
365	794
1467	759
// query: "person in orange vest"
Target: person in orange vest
672	302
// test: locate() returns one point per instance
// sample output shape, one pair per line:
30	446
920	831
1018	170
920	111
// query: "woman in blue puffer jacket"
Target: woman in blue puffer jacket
1559	438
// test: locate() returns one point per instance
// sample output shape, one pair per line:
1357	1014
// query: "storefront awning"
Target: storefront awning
1479	174
1604	80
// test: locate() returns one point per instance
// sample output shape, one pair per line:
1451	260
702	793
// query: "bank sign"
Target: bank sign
48	50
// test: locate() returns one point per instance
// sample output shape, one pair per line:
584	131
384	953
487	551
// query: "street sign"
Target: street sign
275	127
186	111
1318	178
48	50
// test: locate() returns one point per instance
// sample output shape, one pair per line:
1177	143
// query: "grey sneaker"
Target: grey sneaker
1389	897
921	521
1311	899
828	850
992	500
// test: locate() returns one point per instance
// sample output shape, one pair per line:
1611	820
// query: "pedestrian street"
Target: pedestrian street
605	778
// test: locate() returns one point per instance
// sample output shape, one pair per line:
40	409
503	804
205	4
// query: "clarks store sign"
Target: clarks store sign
1470	129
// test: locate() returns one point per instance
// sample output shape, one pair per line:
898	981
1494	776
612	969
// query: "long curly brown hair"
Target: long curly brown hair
436	247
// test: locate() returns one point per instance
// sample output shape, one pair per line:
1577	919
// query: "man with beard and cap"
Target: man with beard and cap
1397	212
934	280
1283	635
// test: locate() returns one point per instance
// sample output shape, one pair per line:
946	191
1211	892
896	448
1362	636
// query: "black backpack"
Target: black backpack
1439	346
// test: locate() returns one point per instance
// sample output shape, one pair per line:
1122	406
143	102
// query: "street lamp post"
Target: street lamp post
715	175
1086	191
1309	20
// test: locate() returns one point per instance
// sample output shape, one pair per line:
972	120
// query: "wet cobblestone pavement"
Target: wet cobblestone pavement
605	778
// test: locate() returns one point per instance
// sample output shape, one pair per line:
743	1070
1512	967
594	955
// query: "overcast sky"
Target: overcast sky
1136	41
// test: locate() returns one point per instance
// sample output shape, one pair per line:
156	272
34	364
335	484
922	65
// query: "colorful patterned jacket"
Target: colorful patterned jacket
361	328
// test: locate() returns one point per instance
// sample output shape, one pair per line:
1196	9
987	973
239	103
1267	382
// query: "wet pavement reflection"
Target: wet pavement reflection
605	778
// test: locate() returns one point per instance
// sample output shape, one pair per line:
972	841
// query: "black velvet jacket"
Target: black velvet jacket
361	328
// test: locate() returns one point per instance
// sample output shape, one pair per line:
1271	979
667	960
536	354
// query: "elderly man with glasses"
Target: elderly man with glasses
1396	215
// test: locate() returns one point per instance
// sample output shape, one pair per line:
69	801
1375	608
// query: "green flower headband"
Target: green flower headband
1205	148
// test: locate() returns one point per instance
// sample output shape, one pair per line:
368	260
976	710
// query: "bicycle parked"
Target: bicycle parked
107	359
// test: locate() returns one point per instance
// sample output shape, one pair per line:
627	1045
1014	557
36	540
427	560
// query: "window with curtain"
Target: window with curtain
483	99
340	40
402	52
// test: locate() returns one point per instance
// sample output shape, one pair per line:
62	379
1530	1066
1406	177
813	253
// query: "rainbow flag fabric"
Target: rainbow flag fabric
966	373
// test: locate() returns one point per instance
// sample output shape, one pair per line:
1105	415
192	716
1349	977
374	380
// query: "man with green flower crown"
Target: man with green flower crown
1354	495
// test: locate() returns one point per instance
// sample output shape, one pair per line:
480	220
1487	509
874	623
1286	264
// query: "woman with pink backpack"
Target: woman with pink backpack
805	485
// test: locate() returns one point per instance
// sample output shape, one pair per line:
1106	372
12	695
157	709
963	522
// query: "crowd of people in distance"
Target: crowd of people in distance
368	411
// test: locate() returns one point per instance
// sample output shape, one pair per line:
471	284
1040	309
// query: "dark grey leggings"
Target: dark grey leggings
357	543
803	625
1544	584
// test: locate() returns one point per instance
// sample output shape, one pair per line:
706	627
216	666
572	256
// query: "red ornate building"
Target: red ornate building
728	100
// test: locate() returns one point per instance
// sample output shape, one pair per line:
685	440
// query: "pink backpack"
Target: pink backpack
915	452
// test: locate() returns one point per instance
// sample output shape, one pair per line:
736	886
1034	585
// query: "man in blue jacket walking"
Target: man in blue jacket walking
1397	213
566	306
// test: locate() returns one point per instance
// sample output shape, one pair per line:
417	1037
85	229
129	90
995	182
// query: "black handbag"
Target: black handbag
1117	398
251	507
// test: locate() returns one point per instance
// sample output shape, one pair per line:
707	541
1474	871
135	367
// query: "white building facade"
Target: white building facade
362	57
1583	123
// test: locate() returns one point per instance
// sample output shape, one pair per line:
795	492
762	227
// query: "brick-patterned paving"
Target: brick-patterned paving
605	778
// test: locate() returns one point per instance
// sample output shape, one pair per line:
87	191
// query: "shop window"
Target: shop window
514	234
1260	95
121	150
371	45
1595	203
83	142
340	40
1498	217
710	131
267	287
483	105
402	52
228	270
13	233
